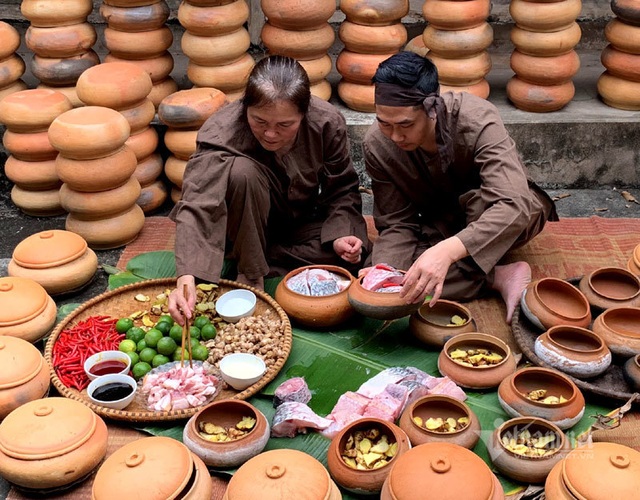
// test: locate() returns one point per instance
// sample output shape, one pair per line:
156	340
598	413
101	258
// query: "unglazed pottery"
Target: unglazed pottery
634	261
158	68
627	10
441	468
367	482
32	110
215	20
32	175
373	12
543	44
452	15
545	16
619	92
61	41
458	43
611	287
537	98
227	414
309	44
317	69
372	39
513	391
432	324
230	78
619	327
112	232
463	70
573	350
141	18
101	204
190	108
357	96
480	377
216	50
10	40
549	70
138	45
44	203
379	305
298	15
631	372
359	68
63	71
623	36
48	14
117	85
439	406
551	301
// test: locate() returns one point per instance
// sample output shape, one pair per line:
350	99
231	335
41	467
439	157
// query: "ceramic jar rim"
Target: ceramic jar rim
551	373
327	267
437	398
481	338
510	424
372	293
564	284
623	333
466	312
613	270
193	423
582	331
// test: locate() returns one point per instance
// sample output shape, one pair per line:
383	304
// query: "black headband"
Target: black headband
391	94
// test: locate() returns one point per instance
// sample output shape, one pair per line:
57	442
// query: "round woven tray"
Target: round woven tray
120	303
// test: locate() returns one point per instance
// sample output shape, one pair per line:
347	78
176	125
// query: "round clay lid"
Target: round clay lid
164	459
602	471
49	249
46	428
449	469
20	361
21	300
280	474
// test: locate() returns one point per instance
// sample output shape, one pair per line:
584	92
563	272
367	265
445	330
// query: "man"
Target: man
451	196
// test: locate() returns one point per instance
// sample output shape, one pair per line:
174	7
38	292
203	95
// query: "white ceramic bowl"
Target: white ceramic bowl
236	304
241	370
99	357
118	404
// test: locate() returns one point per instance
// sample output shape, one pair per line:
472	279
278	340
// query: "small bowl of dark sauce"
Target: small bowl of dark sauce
116	390
107	363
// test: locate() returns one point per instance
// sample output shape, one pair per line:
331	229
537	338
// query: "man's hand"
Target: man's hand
348	248
179	306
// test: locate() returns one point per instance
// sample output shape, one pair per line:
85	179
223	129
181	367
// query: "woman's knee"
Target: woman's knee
245	175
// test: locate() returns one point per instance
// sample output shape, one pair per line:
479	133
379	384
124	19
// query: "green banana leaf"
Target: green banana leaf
150	265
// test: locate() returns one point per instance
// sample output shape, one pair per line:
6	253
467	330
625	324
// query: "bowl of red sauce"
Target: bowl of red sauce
107	363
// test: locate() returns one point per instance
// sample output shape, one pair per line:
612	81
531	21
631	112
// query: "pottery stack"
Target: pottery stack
96	166
300	29
457	36
216	43
619	85
136	32
11	64
183	113
30	165
544	61
125	87
61	40
371	33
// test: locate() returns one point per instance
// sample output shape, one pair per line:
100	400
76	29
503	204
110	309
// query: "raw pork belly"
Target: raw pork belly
293	417
294	389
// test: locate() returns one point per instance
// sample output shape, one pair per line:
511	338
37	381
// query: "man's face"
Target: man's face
408	127
275	125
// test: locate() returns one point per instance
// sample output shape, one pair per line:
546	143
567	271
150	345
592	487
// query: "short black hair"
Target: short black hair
410	70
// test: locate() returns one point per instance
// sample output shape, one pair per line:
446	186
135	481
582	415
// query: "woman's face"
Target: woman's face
275	125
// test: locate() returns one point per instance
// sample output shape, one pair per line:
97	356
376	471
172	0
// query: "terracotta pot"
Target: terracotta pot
142	18
29	146
174	170
364	482
309	44
42	203
317	69
213	21
374	12
149	169
455	15
357	97
216	50
9	40
444	407
379	305
441	467
282	473
116	85
359	68
12	69
461	71
36	175
551	301
298	14
513	390
573	350
545	16
480	89
455	44
633	267
228	78
33	110
618	92
52	14
68	91
108	233
416	45
26	310
176	194
611	287
432	325
527	469
210	3
143	143
325	311
139	115
372	39
141	45
480	377
152	196
619	327
190	108
621	64
321	89
182	143
63	41
62	71
627	11
15	86
158	68
550	70
101	204
131	3
539	98
162	89
631	372
546	44
623	36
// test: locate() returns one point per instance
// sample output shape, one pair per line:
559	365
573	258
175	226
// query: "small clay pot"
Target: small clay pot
539	98
213	21
158	68
32	110
149	169
9	40
623	36
32	175
112	232
452	15
476	377
372	39
631	372
42	203
480	89
49	15
359	68
216	50
608	287
627	10
367	482
188	109
174	170
140	115
138	45
181	142
417	413
619	327
551	301
523	468
298	15
379	305
458	43
549	70
309	44
34	146
230	78
152	196
373	12
357	96
63	41
544	44
619	92
433	326
13	67
162	89
463	70
143	143
63	71
142	18
513	391
317	69
26	310
117	85
545	16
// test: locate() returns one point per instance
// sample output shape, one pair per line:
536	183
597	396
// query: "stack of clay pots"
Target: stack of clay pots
27	115
216	43
125	87
619	85
61	39
184	113
96	166
371	33
544	60
300	29
11	64
457	36
136	32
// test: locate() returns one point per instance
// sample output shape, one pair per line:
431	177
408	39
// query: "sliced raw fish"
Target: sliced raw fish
292	418
317	282
381	276
294	389
298	283
389	403
447	386
394	375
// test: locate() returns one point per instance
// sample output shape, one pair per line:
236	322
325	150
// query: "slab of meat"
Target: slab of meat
294	389
292	418
378	383
382	276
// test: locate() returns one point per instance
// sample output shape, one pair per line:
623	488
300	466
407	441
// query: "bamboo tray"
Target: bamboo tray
119	303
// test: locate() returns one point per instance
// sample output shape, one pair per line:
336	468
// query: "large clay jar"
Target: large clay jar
611	287
551	301
619	92
63	41
546	44
176	472
549	70
101	204
374	12
308	44
112	232
52	14
458	43
215	20
116	85
545	16
454	15
190	108
539	98
51	443
142	18
623	36
433	325
619	327
627	11
299	14
631	372
32	110
26	310
379	305
372	39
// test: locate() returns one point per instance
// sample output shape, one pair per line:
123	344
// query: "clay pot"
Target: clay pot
480	89
152	196
441	467
63	71
359	68
372	39
577	475
364	482
213	21
149	169
282	473
12	68
627	11
432	325
176	194
26	310
182	143
357	96
229	78
546	44
174	170
33	110
461	71
513	391
379	305
190	108
619	327
131	3
176	472
100	204
444	407
551	301
9	40
143	143
611	287
59	261
158	68
322	90
374	12
631	372
63	41
527	469
142	18
116	85
550	70
162	89
112	232
52	14
309	44
32	175
44	203
25	374
15	86
623	36
140	115
29	146
621	64
539	98
317	69
481	377
618	92
417	46
226	414
633	267
455	44
573	350
454	15
545	16
299	14
51	443
138	45
324	311
216	50
68	91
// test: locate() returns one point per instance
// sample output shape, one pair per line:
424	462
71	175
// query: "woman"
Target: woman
271	185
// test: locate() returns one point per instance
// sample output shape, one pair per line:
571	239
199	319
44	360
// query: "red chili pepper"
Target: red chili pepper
385	267
389	285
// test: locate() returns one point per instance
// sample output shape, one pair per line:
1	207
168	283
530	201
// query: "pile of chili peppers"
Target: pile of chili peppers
74	345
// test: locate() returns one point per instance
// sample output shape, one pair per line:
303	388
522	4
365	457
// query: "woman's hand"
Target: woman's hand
348	248
179	306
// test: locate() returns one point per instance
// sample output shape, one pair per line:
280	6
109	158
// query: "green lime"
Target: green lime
176	334
140	369
200	352
159	359
208	332
152	337
194	331
123	324
147	354
134	357
177	354
135	333
166	346
166	318
200	321
141	345
163	326
127	345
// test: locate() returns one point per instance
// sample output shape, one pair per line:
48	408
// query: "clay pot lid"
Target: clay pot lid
49	249
166	460
21	300
602	471
46	428
20	360
449	469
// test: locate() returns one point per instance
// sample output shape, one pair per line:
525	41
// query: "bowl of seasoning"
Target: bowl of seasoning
115	391
241	370
107	363
236	304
